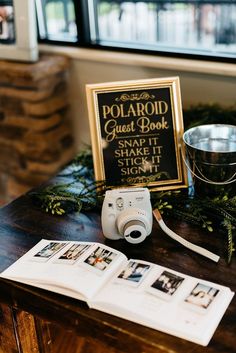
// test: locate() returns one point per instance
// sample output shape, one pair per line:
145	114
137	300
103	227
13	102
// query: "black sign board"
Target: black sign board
136	129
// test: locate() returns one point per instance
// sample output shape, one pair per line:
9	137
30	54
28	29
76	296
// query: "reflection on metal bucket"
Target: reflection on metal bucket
211	154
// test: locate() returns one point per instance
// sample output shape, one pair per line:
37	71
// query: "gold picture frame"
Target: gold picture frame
136	131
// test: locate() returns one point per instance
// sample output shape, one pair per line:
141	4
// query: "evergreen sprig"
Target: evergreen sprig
209	213
201	114
82	192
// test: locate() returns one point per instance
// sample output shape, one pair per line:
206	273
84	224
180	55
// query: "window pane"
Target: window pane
7	26
177	26
56	20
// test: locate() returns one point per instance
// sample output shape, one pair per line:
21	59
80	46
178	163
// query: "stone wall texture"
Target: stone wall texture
36	138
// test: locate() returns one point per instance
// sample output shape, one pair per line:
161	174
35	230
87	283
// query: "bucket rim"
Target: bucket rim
208	126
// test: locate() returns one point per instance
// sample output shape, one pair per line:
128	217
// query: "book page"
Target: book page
76	269
165	300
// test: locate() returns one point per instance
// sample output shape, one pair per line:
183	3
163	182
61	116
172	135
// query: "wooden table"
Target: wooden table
33	320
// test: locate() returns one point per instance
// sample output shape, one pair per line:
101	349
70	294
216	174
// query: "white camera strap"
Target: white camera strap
182	241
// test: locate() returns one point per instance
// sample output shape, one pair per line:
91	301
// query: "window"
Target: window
56	20
7	25
202	28
18	37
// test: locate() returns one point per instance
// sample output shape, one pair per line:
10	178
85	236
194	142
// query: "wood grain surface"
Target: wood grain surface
61	324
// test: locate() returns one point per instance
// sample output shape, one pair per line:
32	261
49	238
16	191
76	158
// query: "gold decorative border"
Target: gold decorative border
93	90
134	97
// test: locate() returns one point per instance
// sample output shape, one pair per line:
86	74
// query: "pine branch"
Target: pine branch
81	192
230	248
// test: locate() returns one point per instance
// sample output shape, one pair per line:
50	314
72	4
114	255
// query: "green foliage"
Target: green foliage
202	114
209	213
229	227
77	190
74	190
81	193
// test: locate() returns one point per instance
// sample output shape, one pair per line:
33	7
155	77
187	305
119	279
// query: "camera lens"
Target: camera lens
134	231
135	234
134	224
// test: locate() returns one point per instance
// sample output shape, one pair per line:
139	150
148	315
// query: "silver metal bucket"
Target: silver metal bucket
211	155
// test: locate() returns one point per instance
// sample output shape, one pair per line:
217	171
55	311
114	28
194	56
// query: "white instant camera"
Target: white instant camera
127	213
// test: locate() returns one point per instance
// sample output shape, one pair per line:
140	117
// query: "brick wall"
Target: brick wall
36	137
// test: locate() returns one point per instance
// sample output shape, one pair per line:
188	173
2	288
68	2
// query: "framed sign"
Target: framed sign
136	133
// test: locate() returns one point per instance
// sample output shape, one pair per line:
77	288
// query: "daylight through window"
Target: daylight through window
194	27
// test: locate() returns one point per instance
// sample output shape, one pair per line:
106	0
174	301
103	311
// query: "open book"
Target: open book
136	290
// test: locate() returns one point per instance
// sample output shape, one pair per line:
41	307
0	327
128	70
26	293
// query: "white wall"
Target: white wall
200	82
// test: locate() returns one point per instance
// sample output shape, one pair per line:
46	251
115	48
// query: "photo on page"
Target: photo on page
166	285
134	273
201	297
48	251
73	254
100	259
